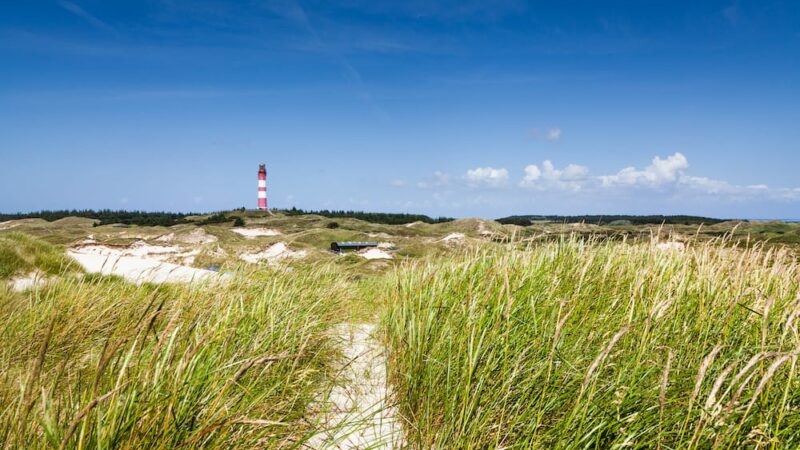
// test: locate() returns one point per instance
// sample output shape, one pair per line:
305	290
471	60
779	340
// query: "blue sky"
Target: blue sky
455	108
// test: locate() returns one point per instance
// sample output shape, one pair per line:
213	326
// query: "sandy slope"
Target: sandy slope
273	253
135	268
252	233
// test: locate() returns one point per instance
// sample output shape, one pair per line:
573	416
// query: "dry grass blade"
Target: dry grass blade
27	397
602	356
701	373
83	413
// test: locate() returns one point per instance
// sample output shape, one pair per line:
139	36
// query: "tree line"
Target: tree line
611	220
373	217
108	216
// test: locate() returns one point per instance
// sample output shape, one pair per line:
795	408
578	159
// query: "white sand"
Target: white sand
375	253
252	233
483	231
359	414
453	237
273	253
381	235
31	280
386	245
108	261
169	237
672	246
196	236
8	224
138	249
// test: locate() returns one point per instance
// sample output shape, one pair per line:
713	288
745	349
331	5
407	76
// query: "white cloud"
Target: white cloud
660	172
398	183
553	134
487	176
665	175
572	177
532	174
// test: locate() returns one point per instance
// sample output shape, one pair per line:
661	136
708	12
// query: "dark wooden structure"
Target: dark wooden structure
339	247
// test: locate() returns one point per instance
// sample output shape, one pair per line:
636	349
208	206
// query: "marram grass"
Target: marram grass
592	344
21	254
101	363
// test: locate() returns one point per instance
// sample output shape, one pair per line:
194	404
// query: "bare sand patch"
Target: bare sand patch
671	246
375	253
453	238
483	231
25	282
197	236
252	233
8	224
109	261
139	249
169	237
273	253
381	235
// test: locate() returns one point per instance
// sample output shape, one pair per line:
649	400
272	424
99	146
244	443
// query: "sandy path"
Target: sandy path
360	416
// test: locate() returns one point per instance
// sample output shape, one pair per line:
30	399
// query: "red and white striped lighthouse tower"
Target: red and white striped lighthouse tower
262	187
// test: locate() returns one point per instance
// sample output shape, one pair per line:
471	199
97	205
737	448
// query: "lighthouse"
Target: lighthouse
262	187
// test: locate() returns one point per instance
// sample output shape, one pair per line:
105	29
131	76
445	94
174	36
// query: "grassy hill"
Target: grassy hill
551	335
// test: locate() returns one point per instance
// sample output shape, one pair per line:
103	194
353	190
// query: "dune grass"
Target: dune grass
21	254
95	362
596	344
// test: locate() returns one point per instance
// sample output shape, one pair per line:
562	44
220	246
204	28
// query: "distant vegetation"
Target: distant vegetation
166	219
144	218
384	218
107	217
611	220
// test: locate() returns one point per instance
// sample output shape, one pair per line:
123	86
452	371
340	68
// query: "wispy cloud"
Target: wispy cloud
552	134
80	12
294	12
439	179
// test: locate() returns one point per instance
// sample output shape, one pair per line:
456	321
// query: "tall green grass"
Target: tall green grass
96	362
590	344
21	254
